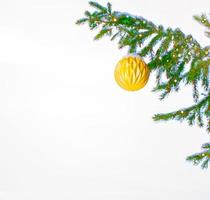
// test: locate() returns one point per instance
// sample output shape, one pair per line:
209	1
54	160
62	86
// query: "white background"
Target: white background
67	131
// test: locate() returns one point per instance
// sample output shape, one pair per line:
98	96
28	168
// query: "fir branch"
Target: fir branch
103	32
171	52
98	6
191	114
81	21
202	158
174	52
203	19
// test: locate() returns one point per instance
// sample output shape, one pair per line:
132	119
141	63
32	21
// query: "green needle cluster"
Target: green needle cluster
176	59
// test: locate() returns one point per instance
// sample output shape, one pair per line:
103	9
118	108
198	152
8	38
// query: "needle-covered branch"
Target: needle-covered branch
176	58
170	51
202	158
192	114
203	19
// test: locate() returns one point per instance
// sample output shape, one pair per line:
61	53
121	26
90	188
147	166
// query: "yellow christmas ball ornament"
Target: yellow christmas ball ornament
131	73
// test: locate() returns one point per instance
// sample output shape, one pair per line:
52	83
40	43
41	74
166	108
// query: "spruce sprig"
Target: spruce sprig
172	54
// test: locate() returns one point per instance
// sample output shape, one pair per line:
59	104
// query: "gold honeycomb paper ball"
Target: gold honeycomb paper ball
131	73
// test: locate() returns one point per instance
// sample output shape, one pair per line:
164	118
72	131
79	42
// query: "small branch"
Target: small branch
202	158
